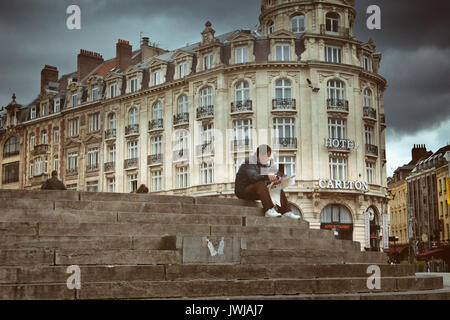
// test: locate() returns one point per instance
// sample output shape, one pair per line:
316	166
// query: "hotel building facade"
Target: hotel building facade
183	121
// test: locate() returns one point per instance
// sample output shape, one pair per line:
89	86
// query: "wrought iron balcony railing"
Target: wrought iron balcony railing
340	31
131	163
155	124
286	104
92	167
110	134
369	113
40	149
337	105
181	155
205	112
205	149
154	159
371	150
132	129
110	166
242	145
241	106
285	143
181	118
72	171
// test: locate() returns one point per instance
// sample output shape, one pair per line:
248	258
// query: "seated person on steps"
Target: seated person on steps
252	179
53	183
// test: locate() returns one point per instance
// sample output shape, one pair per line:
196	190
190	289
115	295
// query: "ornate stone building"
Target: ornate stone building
182	121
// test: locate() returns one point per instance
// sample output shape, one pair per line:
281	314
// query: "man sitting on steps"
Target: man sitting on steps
252	179
53	183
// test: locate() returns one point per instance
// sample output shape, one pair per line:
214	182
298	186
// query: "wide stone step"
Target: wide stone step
89	274
216	288
39	194
282	244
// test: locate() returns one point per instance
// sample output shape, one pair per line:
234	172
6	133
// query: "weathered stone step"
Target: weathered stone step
282	244
80	216
39	194
28	257
216	288
58	274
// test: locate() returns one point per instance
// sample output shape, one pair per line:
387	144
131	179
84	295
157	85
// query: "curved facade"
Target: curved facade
182	121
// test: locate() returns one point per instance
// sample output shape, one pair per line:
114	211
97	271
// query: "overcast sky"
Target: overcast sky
414	41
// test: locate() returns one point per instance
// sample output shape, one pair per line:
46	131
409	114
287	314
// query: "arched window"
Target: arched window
11	147
112	121
157	110
367	98
283	89
32	141
332	22
298	24
133	116
242	91
183	106
44	137
335	92
270	27
336	214
207	97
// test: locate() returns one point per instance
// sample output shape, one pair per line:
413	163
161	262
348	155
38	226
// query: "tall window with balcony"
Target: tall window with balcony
182	177
11	147
156	144
332	22
369	135
333	54
242	134
370	172
182	115
298	24
111	131
367	98
133	84
206	139
156	180
283	95
133	122
32	141
95	93
207	173
337	129
241	54
73	127
44	137
132	149
56	163
92	158
338	168
242	97
112	153
56	135
288	164
181	145
282	52
207	61
335	89
94	122
157	116
113	90
72	162
206	103
284	133
132	183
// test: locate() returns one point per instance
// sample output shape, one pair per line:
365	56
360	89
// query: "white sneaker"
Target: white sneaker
291	215
272	213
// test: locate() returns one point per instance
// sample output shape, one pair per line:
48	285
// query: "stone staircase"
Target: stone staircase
131	246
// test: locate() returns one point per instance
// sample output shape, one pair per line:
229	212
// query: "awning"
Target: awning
397	249
442	253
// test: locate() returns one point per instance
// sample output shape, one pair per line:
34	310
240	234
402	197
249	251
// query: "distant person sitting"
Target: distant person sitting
142	189
53	183
252	179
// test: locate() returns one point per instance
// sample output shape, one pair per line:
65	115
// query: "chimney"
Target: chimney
149	50
418	152
87	61
123	54
48	74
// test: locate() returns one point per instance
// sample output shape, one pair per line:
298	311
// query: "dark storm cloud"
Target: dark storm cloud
413	40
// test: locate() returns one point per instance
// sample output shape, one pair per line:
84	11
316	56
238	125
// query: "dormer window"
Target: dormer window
44	110
133	84
366	63
57	105
33	113
95	93
156	77
207	61
113	90
182	70
282	52
241	54
74	99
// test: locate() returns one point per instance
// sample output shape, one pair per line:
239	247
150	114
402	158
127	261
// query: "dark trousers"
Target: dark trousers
259	191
